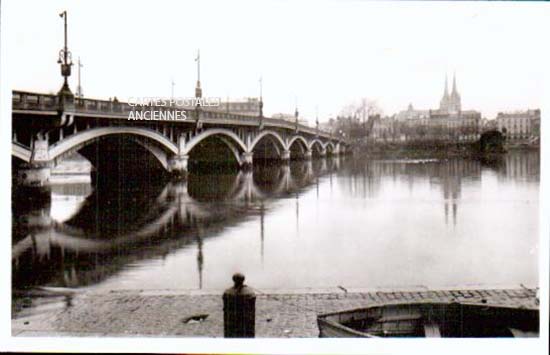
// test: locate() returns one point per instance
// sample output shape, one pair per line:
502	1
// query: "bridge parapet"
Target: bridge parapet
32	101
36	102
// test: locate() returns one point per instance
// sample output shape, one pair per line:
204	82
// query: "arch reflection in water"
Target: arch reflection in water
95	237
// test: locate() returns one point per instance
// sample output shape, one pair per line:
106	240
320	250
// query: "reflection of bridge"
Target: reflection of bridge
47	128
182	212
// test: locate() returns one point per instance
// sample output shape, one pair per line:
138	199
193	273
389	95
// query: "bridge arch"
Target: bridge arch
271	134
300	139
229	143
330	147
234	138
157	152
79	140
316	143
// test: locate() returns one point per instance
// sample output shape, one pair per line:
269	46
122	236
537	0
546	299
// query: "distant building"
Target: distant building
489	125
249	106
519	125
383	129
457	126
411	114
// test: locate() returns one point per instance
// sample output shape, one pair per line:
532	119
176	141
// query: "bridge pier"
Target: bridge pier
177	166
247	160
307	154
285	155
37	172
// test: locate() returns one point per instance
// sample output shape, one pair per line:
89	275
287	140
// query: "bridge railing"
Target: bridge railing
31	101
22	100
102	106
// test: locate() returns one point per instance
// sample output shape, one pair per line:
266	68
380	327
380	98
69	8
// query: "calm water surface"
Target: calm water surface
347	222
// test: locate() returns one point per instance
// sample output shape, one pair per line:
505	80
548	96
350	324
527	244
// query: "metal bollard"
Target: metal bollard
239	310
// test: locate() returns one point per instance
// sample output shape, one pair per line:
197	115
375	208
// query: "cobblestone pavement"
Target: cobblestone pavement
129	313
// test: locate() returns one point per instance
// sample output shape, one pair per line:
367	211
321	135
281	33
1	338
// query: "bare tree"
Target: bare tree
353	117
361	109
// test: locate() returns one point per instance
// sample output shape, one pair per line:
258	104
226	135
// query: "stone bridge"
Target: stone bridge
47	128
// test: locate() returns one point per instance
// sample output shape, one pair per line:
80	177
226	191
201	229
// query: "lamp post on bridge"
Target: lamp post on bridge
198	90
172	89
317	121
261	104
66	97
79	87
296	116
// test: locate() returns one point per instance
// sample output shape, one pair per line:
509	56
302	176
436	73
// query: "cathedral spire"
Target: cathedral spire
444	103
454	83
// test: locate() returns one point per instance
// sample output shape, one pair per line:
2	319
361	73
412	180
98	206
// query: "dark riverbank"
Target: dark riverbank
436	150
419	150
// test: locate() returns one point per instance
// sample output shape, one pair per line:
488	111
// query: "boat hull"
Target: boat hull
454	320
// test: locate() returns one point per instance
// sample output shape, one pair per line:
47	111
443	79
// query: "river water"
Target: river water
349	222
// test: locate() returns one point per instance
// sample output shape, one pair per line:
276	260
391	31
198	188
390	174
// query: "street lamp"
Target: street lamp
198	92
317	120
79	87
261	99
296	114
172	91
65	60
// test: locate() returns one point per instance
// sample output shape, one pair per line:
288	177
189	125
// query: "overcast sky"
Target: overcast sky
326	54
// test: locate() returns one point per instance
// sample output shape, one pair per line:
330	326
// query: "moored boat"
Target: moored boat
452	320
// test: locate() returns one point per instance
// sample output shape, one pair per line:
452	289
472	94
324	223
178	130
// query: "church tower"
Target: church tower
444	103
455	104
450	103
